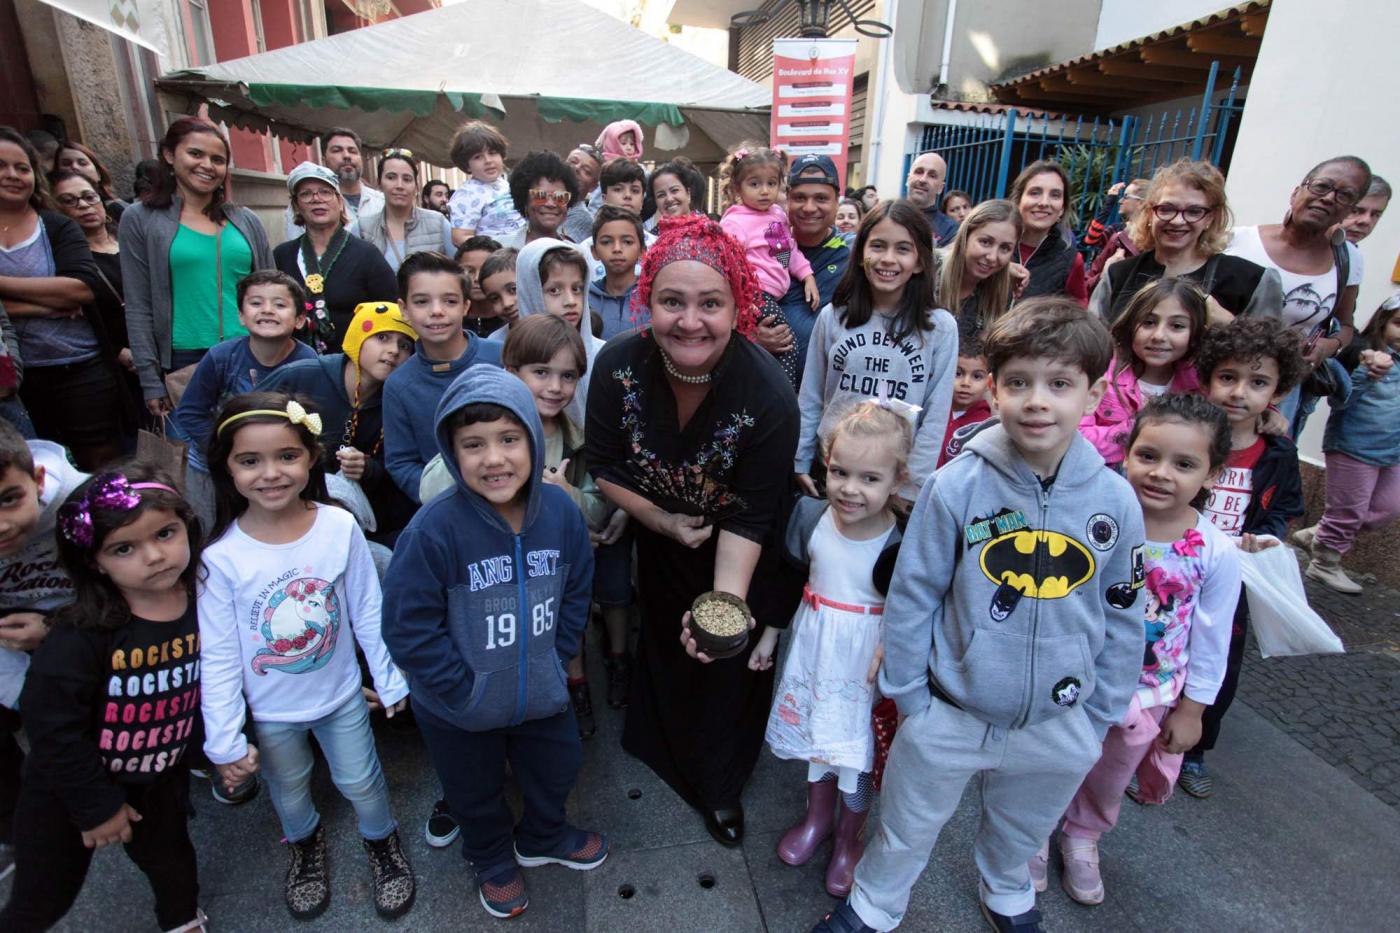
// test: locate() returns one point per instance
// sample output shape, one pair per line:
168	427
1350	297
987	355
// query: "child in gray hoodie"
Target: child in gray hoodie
1011	631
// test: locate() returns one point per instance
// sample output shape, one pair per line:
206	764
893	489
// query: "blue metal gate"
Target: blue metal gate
985	154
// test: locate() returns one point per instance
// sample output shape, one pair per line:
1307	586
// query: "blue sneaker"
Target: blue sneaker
503	893
1195	779
581	851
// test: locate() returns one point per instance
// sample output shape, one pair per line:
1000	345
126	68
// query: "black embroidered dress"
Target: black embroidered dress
698	726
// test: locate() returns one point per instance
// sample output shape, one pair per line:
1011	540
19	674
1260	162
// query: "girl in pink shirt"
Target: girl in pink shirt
752	178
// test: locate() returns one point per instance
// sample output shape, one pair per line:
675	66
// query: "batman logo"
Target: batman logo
1038	564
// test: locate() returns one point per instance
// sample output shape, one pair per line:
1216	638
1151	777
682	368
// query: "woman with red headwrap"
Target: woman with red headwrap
688	425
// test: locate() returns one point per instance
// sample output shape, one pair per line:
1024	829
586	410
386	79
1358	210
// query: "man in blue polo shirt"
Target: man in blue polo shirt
924	189
813	195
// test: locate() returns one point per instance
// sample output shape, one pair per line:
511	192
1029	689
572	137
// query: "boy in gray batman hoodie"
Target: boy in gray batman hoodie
1012	633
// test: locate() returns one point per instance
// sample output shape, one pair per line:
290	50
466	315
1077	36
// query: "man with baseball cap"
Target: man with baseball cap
924	189
813	194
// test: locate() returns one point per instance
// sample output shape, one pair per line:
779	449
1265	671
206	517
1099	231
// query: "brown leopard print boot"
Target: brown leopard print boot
308	877
394	886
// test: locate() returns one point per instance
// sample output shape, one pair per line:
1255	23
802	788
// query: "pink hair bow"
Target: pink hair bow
1189	544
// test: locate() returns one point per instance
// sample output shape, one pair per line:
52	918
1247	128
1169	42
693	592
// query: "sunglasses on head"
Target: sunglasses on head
398	154
542	197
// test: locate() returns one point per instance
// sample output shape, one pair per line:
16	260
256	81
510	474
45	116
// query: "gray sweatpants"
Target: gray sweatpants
1027	776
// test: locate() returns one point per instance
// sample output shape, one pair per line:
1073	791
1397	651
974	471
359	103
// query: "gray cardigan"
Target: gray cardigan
145	236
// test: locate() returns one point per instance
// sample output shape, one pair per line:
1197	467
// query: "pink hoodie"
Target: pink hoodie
611	140
1108	427
768	243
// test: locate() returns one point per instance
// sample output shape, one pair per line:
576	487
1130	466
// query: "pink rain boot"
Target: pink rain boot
850	845
798	844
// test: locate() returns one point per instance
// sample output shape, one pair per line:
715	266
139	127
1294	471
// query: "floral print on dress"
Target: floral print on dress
692	481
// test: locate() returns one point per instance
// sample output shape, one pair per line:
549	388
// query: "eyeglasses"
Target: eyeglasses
310	195
1131	197
1321	189
1169	212
541	197
398	153
73	200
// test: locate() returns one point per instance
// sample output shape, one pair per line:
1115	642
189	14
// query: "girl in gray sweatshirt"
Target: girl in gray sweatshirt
882	336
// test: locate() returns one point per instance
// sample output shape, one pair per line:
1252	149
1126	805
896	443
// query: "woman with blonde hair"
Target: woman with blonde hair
1182	229
974	273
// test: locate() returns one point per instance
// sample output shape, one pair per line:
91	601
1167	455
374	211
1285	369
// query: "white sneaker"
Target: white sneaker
1039	867
1303	537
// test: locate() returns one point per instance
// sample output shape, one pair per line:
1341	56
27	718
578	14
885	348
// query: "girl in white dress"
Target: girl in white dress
821	710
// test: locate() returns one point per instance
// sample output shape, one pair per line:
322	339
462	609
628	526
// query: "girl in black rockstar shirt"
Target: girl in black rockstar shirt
111	704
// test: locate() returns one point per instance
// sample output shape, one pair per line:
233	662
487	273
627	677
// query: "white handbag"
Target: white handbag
1284	624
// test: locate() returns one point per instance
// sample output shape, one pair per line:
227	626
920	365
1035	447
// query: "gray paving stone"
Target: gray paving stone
660	889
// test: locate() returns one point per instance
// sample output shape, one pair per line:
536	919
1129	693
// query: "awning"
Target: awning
125	18
549	73
1163	66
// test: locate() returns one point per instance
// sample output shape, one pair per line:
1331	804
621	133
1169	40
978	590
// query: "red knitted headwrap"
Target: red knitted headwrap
698	238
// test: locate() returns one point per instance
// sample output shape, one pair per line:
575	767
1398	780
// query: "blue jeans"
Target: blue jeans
348	744
13	411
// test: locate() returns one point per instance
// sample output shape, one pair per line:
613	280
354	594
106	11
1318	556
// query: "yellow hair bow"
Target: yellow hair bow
295	413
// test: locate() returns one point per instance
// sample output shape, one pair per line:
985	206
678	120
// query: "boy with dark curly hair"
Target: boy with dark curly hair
1244	368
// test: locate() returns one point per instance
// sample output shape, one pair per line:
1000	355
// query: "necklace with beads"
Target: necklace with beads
679	376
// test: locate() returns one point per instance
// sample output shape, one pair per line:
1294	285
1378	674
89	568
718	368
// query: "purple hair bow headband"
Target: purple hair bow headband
110	492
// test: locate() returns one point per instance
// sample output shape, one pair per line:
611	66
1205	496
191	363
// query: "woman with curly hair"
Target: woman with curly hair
691	430
542	186
1182	229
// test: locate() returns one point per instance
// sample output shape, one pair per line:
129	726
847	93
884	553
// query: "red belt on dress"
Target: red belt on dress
814	600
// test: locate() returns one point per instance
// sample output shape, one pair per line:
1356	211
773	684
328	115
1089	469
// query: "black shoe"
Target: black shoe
308	887
726	826
1028	922
619	668
442	830
241	794
582	702
394	887
843	919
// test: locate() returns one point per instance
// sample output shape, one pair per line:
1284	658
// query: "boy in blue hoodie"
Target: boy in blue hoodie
488	594
433	295
1011	631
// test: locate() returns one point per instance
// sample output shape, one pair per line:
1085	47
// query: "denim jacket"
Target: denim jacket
1363	423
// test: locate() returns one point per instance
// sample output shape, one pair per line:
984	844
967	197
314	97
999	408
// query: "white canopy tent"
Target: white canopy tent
549	73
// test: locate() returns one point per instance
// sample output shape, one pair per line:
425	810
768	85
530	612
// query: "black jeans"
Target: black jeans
51	861
1215	713
544	758
11	765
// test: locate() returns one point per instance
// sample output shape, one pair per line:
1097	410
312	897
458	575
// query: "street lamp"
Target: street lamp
812	17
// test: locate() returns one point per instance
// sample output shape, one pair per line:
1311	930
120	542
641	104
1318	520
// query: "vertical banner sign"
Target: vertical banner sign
812	81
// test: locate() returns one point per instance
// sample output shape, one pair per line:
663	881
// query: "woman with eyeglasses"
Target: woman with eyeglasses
1300	251
1181	230
402	228
542	187
338	271
75	157
1319	281
78	198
